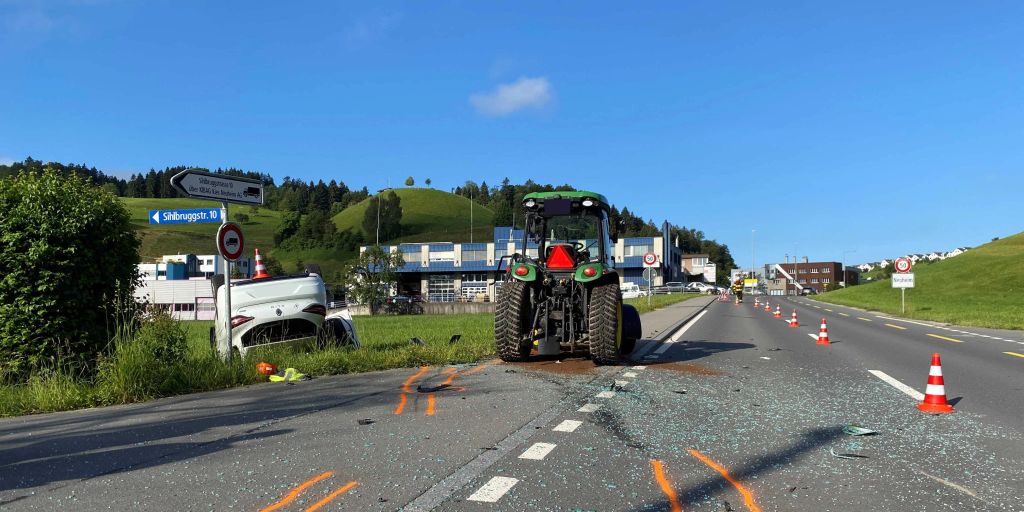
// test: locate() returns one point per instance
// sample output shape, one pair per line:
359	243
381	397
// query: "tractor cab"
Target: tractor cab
569	231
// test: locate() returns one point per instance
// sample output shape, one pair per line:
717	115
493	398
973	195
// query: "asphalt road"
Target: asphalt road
732	410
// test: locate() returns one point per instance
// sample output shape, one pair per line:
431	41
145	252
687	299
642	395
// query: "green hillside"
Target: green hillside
983	287
428	215
158	240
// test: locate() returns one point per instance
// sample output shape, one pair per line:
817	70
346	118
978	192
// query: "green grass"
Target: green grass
158	240
983	287
659	301
428	215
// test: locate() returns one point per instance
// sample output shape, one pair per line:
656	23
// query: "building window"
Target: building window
638	250
815	280
814	271
826	280
826	270
441	288
803	281
474	254
475	277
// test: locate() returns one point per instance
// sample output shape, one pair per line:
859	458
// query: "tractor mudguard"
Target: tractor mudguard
600	270
528	277
631	328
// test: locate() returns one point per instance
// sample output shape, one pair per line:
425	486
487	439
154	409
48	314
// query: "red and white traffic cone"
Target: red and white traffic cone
935	393
261	269
792	321
823	334
757	303
767	307
778	312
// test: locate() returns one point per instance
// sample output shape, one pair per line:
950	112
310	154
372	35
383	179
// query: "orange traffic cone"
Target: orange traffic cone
261	269
767	307
935	393
792	321
823	334
778	312
757	303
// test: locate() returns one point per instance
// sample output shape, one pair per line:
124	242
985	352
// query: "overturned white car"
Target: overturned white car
275	311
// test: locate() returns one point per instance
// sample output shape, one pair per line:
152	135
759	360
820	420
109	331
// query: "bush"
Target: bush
67	255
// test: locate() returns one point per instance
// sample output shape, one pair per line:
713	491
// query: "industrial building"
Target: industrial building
471	272
793	278
181	283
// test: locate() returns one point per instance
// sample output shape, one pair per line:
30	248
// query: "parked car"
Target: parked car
699	287
808	291
632	291
675	287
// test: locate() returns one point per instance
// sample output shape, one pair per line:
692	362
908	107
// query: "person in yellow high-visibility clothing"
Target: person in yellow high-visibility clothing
737	288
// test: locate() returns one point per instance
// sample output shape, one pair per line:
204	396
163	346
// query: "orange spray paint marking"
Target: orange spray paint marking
341	490
295	492
659	475
431	401
748	498
402	400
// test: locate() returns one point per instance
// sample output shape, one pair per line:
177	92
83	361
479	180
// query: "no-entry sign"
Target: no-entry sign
902	265
230	241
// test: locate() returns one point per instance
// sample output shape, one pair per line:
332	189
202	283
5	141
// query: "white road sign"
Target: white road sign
903	265
218	187
905	280
650	259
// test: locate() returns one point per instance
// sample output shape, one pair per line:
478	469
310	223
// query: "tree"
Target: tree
376	274
427	181
68	256
409	181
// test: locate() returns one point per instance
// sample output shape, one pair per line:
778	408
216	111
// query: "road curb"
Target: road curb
675	327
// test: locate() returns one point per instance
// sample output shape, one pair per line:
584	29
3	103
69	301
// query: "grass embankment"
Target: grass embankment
983	287
428	215
168	358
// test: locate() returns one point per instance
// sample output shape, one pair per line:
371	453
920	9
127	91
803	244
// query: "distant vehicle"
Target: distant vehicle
699	287
632	291
808	291
286	310
675	287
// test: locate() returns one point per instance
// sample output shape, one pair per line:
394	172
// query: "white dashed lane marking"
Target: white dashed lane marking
494	489
913	393
538	451
567	426
639	367
606	394
621	383
588	408
629	375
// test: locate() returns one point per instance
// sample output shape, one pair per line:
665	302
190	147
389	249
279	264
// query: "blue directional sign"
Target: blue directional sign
184	216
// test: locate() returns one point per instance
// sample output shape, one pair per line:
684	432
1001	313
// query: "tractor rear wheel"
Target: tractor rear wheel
512	320
605	323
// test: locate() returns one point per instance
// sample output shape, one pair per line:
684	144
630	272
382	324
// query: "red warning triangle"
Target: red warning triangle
559	257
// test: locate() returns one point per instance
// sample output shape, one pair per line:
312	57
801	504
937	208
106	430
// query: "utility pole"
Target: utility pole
842	260
753	265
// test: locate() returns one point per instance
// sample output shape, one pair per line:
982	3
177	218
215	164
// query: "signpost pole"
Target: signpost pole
650	278
224	344
903	301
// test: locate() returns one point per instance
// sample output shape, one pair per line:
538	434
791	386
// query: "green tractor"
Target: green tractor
563	294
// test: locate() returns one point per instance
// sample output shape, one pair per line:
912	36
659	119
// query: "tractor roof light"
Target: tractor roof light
588	202
522	271
530	203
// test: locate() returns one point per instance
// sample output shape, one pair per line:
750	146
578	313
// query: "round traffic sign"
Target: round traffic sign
650	259
650	273
230	241
902	265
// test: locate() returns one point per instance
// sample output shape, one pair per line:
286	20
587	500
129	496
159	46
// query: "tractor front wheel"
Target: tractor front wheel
605	323
512	320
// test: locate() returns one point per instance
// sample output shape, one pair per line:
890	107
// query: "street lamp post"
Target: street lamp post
843	263
753	264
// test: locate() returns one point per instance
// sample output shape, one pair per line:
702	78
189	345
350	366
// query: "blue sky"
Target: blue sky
883	128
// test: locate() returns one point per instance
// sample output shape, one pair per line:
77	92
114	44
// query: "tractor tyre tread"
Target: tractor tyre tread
510	320
603	319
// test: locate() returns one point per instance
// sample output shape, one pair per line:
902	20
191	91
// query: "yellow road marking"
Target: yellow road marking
900	327
865	319
1014	354
844	314
944	338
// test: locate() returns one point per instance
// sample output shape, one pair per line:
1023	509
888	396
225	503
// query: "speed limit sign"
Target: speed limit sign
650	259
902	265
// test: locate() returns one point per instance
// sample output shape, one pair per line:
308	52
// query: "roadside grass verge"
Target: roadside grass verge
166	357
659	301
983	287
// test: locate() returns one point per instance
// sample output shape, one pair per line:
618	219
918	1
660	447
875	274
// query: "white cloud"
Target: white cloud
509	98
6	160
370	28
